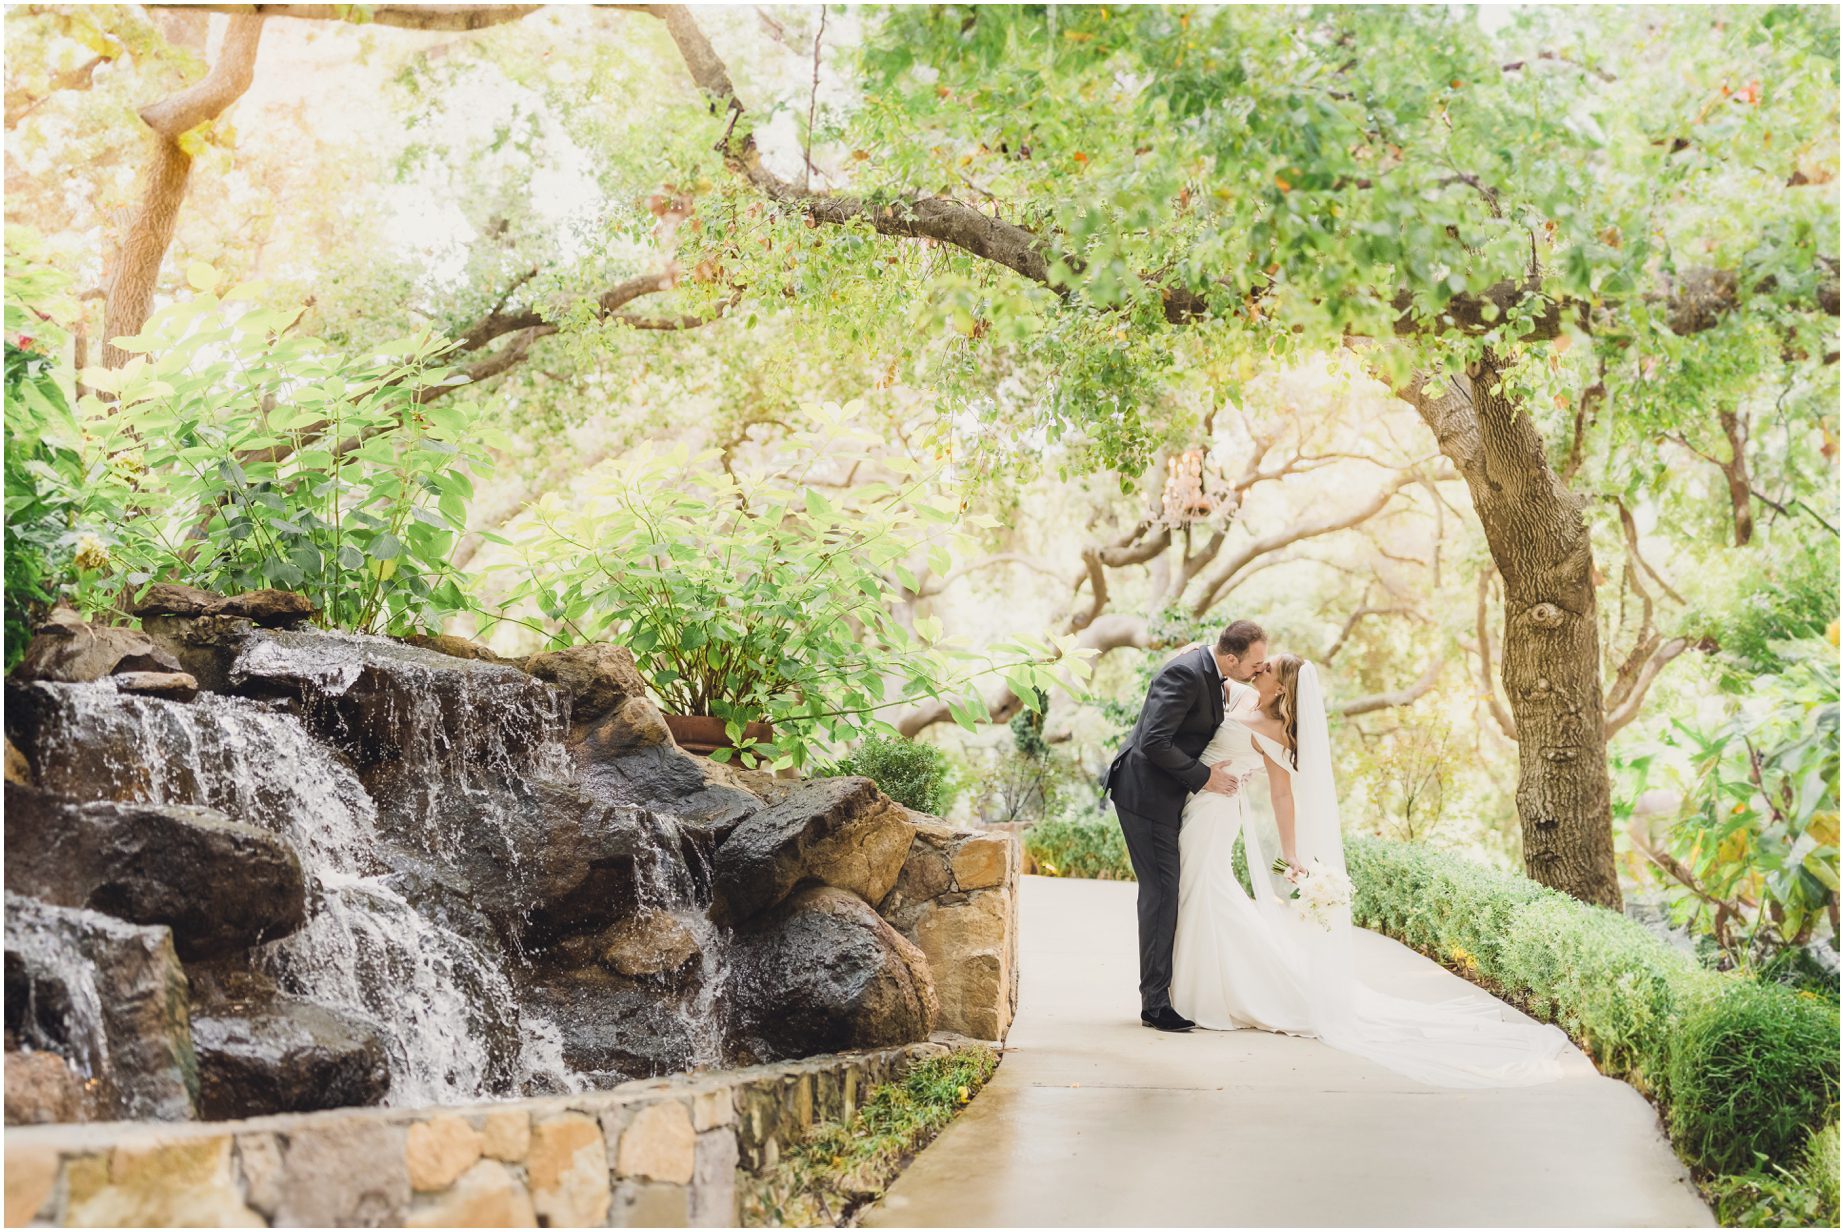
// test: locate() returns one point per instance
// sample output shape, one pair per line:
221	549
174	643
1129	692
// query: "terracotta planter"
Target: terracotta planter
703	734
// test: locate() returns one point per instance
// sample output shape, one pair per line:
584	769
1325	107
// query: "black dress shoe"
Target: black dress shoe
1166	1019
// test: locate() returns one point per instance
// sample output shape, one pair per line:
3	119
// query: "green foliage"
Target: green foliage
1745	1071
839	1166
772	596
1754	849
1082	845
1788	597
246	457
46	527
1804	1196
907	771
1754	1072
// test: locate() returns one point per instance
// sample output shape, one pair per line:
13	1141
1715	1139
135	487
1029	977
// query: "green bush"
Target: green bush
1745	1072
909	773
1753	1074
1802	1197
1085	845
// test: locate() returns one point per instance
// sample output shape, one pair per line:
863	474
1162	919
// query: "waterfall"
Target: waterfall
444	1008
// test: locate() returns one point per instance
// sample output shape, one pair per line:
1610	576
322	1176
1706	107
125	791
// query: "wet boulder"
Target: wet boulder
204	646
842	832
613	1029
221	886
418	725
557	859
824	973
110	998
284	1056
627	755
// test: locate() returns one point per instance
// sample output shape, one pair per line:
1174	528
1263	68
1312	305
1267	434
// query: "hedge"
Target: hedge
1745	1073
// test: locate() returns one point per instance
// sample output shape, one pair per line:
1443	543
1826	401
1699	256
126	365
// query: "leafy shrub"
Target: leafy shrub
53	516
1746	1072
839	1166
768	597
1752	858
908	772
250	458
1754	1071
1805	1196
1084	845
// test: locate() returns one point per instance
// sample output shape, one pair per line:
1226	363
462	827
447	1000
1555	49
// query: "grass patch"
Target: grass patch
840	1166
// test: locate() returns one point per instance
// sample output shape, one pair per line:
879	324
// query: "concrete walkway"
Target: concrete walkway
1093	1120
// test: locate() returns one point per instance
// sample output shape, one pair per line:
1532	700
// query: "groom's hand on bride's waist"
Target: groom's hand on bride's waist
1223	780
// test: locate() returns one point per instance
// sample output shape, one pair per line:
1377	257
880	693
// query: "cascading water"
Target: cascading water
445	1010
675	878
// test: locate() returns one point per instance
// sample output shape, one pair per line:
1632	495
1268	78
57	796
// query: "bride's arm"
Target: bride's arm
1280	794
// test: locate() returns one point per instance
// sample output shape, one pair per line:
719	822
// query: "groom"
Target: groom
1150	779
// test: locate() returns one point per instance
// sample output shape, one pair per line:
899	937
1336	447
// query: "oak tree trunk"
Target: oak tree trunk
1552	654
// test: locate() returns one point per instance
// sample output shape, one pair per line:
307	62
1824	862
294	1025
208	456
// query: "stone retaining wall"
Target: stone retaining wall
655	1153
956	898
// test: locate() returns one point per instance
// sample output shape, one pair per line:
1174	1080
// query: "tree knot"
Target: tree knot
1546	616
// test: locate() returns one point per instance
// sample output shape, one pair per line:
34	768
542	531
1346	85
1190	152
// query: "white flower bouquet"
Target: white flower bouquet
1324	894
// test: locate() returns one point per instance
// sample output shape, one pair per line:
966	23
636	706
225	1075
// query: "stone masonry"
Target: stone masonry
655	1153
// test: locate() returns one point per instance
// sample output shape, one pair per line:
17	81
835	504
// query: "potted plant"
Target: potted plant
766	604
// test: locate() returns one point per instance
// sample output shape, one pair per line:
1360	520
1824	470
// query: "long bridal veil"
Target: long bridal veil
1464	1042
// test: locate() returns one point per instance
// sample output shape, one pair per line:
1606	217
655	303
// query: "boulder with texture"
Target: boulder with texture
824	973
664	778
67	648
43	1089
839	831
599	677
204	646
558	859
108	996
18	769
273	609
612	1029
176	599
284	1056
219	885
651	943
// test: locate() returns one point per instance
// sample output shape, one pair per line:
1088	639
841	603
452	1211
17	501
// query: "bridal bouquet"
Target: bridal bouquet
1324	894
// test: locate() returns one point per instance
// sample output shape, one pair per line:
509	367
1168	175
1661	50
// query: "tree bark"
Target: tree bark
1741	494
135	267
1552	654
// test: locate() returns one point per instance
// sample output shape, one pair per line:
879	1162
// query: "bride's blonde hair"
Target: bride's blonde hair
1284	707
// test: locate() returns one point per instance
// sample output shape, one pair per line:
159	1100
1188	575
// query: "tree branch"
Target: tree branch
1628	710
135	266
1215	585
1400	697
452	17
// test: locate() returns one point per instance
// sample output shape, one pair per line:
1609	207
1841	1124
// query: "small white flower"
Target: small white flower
92	553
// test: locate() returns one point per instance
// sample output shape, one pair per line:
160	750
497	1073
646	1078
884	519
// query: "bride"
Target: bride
1260	962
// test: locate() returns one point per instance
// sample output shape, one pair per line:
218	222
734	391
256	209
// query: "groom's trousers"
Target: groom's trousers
1152	845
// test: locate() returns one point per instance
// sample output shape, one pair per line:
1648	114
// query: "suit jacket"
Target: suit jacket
1158	767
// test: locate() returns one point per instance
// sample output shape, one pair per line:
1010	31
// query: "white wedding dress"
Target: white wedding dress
1258	962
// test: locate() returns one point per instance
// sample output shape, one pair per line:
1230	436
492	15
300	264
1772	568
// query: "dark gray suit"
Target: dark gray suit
1150	780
